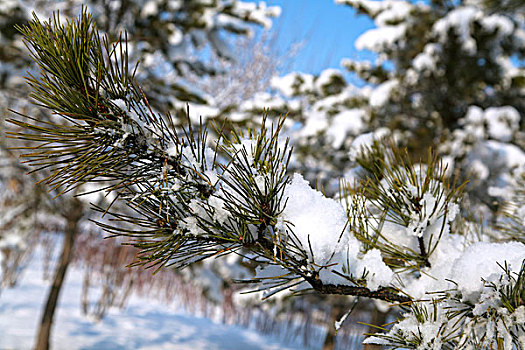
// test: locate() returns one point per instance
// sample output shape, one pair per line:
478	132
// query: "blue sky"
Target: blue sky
327	30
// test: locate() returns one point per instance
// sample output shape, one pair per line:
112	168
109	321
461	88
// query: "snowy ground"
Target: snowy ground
143	324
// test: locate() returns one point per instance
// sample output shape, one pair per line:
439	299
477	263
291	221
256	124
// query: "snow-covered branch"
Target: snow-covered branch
394	234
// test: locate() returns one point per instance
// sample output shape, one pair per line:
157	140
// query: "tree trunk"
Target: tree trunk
329	341
331	333
73	217
378	319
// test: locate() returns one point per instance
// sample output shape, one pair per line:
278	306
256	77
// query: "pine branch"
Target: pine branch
385	294
187	201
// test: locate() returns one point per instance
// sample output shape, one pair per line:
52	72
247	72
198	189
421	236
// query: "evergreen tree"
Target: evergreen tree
395	236
457	83
435	63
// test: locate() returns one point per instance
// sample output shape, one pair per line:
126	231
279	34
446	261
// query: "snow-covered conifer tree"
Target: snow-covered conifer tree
442	70
395	236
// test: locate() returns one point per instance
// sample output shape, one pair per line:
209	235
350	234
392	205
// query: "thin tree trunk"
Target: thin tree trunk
379	319
331	333
329	341
73	217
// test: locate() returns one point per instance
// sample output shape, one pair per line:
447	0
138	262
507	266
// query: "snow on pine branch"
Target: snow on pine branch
390	237
190	202
481	308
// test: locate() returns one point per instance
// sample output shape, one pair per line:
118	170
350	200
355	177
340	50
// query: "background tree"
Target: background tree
434	62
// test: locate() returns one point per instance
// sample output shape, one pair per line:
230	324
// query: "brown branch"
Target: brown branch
424	254
385	294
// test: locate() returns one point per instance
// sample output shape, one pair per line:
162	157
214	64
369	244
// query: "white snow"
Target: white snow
12	241
381	93
316	221
150	8
198	111
326	78
508	155
460	20
258	13
373	6
378	273
393	11
143	324
263	100
176	36
480	260
293	83
348	122
383	12
502	122
498	22
364	141
316	122
378	38
427	58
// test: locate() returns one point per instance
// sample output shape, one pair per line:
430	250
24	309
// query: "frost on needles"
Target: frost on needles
394	235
